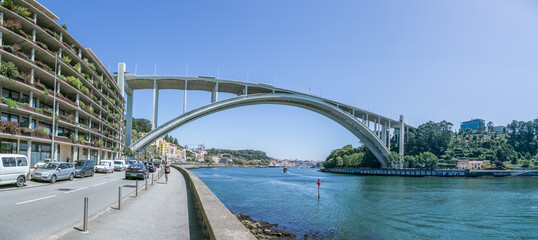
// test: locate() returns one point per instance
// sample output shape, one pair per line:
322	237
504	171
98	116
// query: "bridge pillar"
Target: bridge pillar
129	119
388	144
121	77
215	93
384	133
245	91
155	104
401	142
185	98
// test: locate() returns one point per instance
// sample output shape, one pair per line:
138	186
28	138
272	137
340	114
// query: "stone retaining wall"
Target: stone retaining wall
219	221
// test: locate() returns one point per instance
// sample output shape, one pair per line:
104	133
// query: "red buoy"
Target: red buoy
319	183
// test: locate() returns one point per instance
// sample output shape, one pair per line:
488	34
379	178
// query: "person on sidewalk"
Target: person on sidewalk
166	170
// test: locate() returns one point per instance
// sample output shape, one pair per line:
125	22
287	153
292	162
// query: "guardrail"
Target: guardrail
219	221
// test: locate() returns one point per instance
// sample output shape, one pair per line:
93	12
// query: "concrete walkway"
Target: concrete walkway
164	211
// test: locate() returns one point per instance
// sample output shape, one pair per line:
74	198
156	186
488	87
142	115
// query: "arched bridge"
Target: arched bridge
373	130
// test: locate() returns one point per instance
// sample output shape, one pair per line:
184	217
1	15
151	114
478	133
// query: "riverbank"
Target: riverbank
433	172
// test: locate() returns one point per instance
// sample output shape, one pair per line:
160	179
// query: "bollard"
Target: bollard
119	198
85	218
152	180
136	188
146	183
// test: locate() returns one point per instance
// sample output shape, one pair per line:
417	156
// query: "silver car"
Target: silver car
53	171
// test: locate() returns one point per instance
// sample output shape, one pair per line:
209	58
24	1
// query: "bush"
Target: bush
42	130
84	90
39	110
78	67
66	59
10	102
10	127
112	100
8	4
81	104
23	11
9	70
73	81
13	25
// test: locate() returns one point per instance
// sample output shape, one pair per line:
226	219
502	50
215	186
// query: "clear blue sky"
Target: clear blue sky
429	60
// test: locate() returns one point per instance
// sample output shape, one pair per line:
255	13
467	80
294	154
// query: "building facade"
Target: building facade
169	151
473	124
58	100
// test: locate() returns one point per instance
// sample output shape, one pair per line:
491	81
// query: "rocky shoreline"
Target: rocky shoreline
265	230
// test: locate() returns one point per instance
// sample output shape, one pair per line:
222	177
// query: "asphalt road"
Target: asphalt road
37	212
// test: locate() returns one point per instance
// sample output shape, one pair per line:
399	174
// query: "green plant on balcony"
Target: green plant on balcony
30	37
73	137
95	98
9	70
26	77
39	110
73	81
63	26
81	104
84	90
116	125
117	116
42	130
10	127
90	109
23	11
10	102
57	36
66	59
9	4
112	100
46	91
42	45
109	111
78	67
87	76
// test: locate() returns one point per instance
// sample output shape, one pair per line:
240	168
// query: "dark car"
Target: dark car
136	171
151	167
84	168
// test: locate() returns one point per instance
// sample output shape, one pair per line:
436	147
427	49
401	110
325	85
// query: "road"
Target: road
37	212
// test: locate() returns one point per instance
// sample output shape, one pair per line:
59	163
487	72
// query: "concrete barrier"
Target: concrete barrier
219	221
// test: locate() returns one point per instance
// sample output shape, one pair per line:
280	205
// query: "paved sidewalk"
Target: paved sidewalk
164	211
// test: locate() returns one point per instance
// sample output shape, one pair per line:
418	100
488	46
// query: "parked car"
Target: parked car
136	171
131	162
42	163
84	168
105	166
119	165
53	171
14	169
150	167
156	162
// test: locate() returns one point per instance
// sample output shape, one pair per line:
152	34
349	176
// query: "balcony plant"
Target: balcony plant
73	81
10	127
73	137
26	77
44	66
84	90
26	131
9	70
10	102
23	11
112	100
39	110
42	45
9	5
78	67
66	59
90	64
81	104
13	25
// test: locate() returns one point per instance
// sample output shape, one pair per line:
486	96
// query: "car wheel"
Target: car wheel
71	177
53	179
20	181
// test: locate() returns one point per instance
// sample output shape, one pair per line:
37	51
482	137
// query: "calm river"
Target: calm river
371	207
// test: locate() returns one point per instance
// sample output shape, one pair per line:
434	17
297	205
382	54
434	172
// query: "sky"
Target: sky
428	60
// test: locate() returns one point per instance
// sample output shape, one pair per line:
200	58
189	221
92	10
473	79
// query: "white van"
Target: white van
105	166
14	169
119	165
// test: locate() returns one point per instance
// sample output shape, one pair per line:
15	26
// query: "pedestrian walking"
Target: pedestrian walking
166	170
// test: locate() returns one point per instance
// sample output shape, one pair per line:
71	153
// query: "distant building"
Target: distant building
473	124
499	129
474	164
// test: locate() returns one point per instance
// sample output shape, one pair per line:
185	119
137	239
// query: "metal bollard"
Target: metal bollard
85	218
152	180
146	184
119	198
136	188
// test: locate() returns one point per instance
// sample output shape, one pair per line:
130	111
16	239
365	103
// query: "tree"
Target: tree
141	125
209	160
128	152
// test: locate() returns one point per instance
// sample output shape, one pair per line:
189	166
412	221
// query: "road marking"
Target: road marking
76	190
37	199
115	179
99	184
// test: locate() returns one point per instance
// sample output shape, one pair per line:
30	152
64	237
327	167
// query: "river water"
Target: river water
376	207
